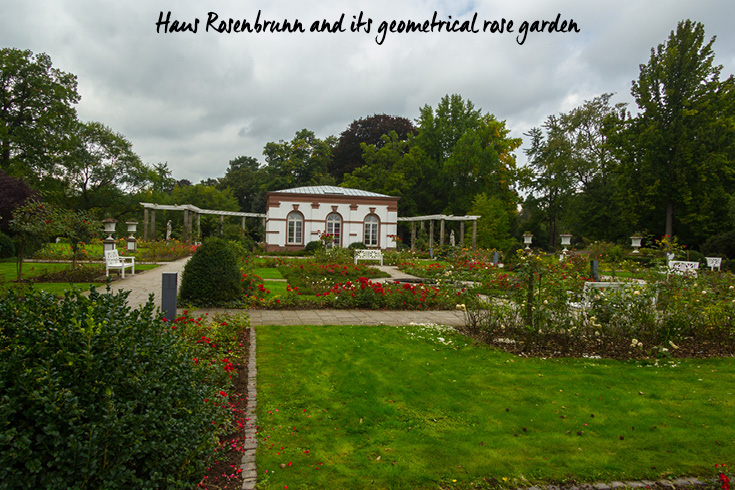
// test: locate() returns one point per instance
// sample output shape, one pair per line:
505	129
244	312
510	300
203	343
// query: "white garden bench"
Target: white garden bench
368	255
114	261
713	262
592	289
683	268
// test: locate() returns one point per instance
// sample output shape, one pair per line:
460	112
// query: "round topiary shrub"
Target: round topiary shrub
212	275
356	246
96	395
312	247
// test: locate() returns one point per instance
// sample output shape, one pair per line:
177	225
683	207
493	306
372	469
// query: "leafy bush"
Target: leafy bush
7	247
96	395
695	256
722	245
212	275
313	246
357	246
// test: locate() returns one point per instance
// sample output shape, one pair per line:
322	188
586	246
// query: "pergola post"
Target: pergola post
413	235
153	224
441	232
145	224
242	229
461	234
221	224
185	237
474	235
431	234
199	226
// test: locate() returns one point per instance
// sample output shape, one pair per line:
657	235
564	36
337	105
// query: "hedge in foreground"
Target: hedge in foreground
94	395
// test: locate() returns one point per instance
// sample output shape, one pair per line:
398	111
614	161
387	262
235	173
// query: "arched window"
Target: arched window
372	225
334	227
295	228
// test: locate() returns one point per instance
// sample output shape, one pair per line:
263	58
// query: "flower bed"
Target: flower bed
676	317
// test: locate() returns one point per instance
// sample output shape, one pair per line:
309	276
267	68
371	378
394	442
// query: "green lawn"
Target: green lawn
268	273
411	408
8	274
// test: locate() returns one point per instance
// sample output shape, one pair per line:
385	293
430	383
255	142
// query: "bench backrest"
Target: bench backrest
112	257
713	262
683	266
368	254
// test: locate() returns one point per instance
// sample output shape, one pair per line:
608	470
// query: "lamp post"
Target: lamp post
108	244
132	241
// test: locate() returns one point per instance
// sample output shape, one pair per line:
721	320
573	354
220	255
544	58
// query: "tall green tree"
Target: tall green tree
470	152
552	184
300	162
493	227
36	113
369	131
395	168
679	166
246	180
573	169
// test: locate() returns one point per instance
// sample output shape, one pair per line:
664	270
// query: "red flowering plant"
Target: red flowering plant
724	479
364	293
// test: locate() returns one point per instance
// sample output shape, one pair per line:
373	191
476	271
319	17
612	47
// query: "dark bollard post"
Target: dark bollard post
496	258
168	295
595	270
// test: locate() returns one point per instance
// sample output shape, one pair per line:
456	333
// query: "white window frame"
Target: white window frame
371	231
332	220
295	228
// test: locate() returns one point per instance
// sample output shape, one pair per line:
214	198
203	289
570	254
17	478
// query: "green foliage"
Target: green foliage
35	221
80	227
96	395
36	113
357	246
245	179
493	228
677	173
212	275
609	252
313	246
300	162
722	245
101	164
7	247
368	131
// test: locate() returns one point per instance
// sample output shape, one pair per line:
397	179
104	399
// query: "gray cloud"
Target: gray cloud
199	100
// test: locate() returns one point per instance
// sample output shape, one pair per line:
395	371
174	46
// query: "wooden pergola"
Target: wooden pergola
442	219
190	212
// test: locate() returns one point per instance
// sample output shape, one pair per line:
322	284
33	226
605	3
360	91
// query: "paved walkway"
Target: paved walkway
143	284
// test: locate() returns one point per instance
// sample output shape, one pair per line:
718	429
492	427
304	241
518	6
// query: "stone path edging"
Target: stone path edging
248	466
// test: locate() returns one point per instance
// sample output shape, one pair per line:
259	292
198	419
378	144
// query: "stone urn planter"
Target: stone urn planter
566	240
636	243
527	238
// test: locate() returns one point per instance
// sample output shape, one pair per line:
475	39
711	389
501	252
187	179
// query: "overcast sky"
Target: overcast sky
198	100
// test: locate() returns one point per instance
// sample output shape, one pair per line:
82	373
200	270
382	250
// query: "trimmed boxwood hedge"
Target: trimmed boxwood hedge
96	395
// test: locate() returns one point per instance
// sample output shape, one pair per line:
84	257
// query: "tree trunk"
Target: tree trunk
670	218
19	264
